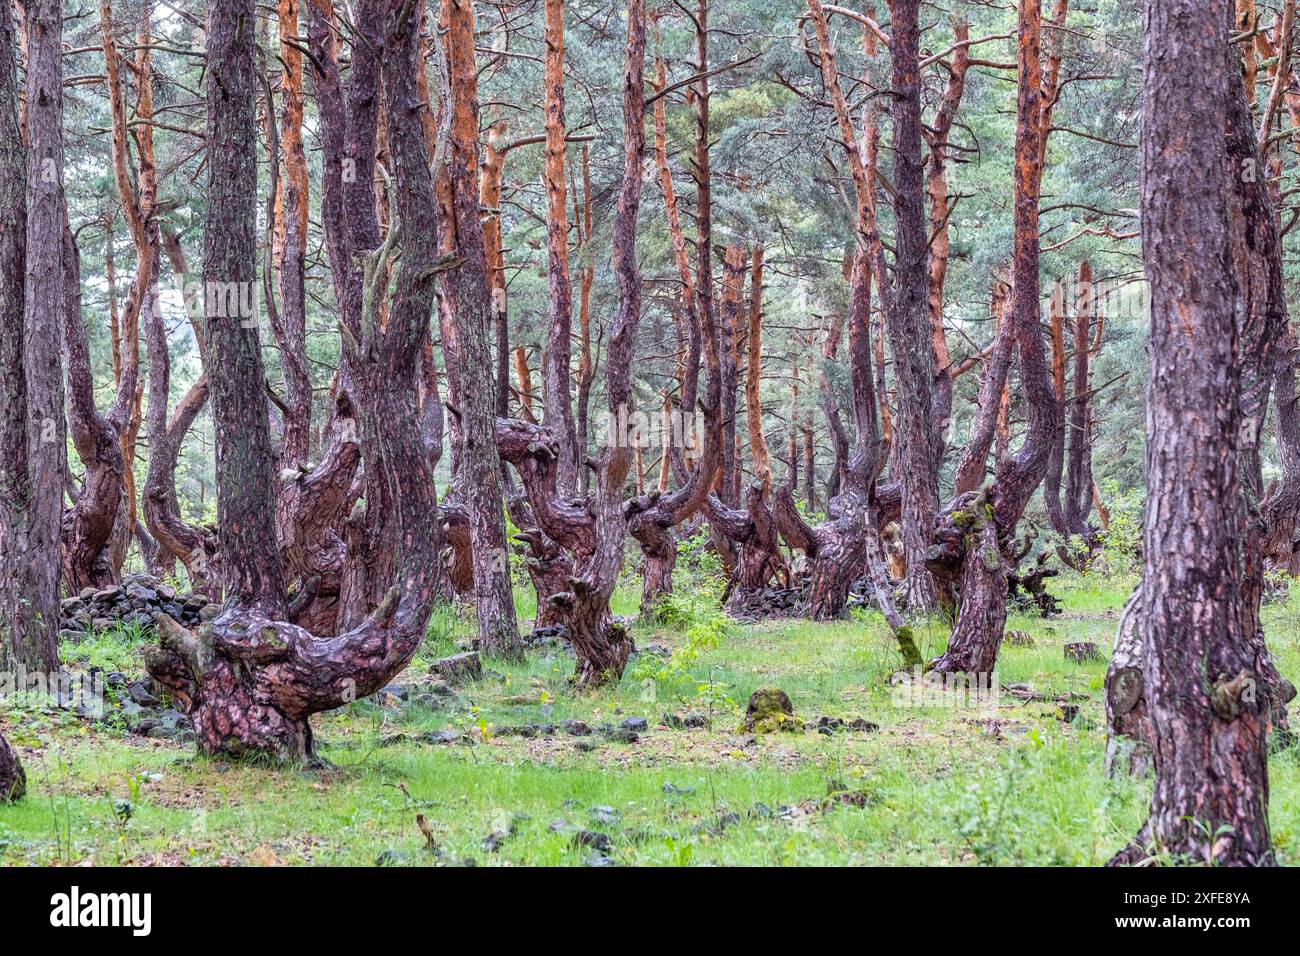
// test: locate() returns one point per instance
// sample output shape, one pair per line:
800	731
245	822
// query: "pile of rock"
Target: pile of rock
555	636
133	602
764	603
142	712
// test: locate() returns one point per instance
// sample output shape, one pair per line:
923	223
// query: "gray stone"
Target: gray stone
138	592
594	840
175	720
440	737
141	692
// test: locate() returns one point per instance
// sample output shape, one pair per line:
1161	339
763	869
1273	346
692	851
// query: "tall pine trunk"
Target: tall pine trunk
1210	801
910	337
480	479
34	642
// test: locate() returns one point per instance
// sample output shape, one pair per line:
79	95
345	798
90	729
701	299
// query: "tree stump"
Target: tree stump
13	782
1082	652
459	668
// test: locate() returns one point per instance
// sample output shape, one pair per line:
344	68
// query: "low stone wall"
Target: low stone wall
133	602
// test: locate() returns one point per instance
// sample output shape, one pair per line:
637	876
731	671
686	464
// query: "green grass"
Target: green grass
1003	784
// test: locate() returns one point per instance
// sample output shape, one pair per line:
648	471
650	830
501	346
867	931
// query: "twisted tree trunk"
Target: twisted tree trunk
88	527
974	537
251	679
908	319
193	547
595	534
652	517
837	551
105	443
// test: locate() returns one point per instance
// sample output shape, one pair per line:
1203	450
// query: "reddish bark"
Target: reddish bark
974	538
525	377
148	178
702	172
105	443
586	366
492	173
941	210
842	549
652	517
735	264
595	534
291	203
556	377
754	373
690	361
480	478
1210	800
1073	449
259	678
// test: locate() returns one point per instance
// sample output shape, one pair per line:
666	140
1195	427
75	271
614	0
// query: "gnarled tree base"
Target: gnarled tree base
982	616
251	684
759	560
601	644
549	569
840	560
836	552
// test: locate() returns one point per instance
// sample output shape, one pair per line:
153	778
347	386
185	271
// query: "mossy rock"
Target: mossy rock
770	710
907	647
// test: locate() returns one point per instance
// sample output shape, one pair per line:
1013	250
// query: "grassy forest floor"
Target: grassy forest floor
1006	783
